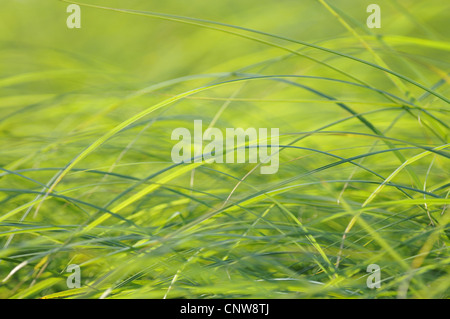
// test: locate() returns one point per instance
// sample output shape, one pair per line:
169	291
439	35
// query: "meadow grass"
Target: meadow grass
86	175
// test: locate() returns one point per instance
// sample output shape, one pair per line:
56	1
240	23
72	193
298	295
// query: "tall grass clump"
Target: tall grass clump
86	175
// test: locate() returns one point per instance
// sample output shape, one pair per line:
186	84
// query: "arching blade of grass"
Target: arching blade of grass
398	170
195	21
57	178
85	128
142	193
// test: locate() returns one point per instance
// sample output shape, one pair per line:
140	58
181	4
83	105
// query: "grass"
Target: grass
86	175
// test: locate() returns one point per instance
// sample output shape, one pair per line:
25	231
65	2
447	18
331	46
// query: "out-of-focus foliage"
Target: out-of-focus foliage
363	175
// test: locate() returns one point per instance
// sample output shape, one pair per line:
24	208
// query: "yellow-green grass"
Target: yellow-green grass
87	176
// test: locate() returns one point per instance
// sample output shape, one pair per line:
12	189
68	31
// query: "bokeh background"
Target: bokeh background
86	174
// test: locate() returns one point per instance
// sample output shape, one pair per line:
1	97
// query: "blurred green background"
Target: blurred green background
364	180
